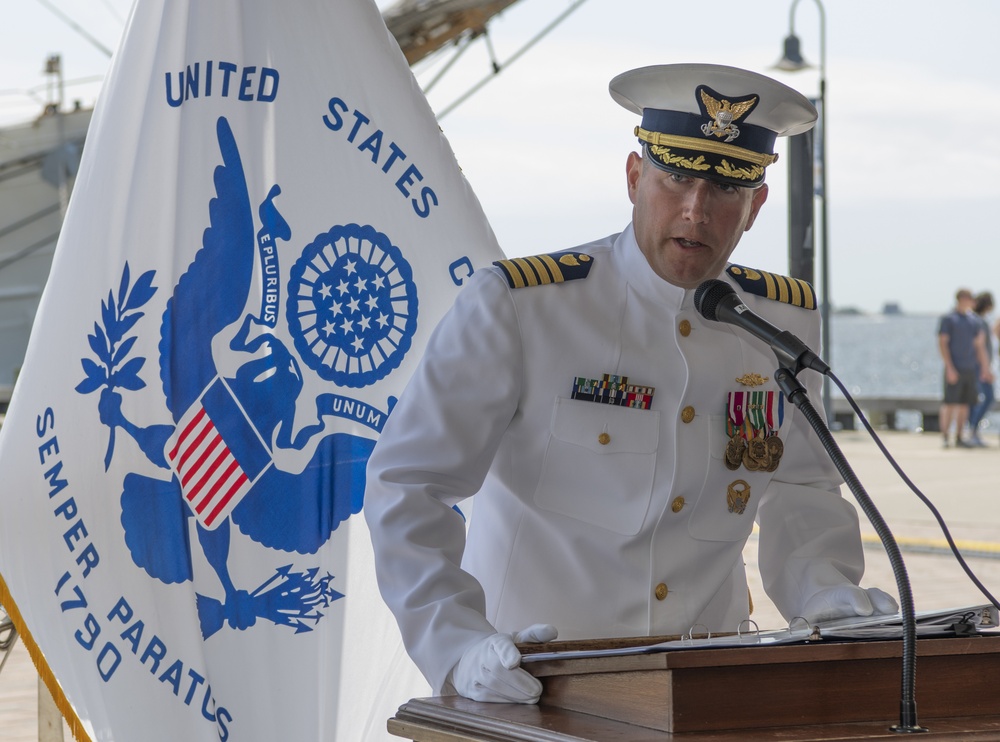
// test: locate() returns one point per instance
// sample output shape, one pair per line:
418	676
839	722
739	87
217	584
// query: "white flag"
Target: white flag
266	226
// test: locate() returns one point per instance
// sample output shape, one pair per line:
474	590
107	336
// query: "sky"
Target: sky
912	99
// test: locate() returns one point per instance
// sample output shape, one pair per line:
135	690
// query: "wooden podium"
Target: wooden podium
817	691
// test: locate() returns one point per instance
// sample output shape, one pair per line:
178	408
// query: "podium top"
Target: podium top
981	620
813	691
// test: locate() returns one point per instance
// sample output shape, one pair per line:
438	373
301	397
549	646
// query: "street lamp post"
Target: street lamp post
792	61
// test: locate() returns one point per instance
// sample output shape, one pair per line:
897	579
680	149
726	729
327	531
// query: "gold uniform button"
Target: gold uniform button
677	505
687	414
661	591
604	439
684	327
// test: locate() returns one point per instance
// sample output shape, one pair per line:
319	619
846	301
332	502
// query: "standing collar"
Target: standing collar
641	277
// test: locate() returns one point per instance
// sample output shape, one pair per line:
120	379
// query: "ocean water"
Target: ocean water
893	355
886	355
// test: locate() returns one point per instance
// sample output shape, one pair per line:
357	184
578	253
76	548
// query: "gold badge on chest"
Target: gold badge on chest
737	496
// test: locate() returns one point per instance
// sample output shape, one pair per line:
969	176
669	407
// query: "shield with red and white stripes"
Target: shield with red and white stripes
216	454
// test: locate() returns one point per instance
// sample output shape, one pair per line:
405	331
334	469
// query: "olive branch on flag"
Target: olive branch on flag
113	368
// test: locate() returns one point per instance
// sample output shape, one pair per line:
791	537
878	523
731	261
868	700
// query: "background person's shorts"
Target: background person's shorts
965	391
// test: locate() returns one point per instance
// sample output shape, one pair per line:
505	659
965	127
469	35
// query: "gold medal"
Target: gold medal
734	452
756	457
775	448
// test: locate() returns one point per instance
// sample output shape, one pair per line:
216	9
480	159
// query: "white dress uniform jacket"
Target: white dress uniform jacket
624	534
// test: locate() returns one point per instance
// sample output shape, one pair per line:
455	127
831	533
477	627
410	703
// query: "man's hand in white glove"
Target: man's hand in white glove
848	600
488	671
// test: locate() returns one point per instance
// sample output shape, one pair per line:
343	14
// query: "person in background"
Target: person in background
982	308
619	445
962	344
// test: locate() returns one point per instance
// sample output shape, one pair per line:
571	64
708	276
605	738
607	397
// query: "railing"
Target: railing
882	411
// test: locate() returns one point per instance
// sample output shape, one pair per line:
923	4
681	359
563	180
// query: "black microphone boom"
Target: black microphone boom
717	301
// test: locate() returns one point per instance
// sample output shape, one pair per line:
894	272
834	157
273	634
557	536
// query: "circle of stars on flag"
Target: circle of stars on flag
353	305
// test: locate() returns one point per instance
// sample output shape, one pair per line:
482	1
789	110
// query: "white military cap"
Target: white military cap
712	121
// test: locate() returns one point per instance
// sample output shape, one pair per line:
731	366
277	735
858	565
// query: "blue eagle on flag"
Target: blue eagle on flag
232	388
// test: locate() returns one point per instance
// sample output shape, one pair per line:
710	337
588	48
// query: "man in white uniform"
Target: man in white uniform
619	445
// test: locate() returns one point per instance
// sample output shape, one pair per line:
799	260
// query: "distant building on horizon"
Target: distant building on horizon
892	307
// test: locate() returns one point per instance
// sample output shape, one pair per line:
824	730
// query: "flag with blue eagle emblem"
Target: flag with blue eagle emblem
266	226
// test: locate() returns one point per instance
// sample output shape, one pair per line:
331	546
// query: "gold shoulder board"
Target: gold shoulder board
539	270
774	286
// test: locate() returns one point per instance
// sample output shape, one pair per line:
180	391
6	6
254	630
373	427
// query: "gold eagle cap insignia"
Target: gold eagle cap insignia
724	115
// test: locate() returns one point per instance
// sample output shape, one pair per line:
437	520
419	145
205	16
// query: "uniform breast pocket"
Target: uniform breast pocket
599	464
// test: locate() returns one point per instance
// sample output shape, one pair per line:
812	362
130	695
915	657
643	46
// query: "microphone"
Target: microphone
717	301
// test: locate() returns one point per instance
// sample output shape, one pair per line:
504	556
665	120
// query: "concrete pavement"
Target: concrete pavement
963	485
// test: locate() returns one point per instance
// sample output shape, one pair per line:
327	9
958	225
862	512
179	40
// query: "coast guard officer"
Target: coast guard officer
619	446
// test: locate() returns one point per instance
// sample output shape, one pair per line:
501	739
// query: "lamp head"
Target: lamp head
791	60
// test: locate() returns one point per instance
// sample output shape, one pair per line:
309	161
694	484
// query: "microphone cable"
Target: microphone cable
916	490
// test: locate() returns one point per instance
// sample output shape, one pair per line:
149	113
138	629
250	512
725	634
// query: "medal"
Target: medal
734	452
753	421
737	496
756	457
775	448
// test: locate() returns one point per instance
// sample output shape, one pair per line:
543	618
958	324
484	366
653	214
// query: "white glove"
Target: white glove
488	671
538	633
845	601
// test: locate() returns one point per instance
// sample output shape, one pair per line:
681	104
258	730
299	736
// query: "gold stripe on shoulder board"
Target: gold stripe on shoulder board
540	270
774	286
